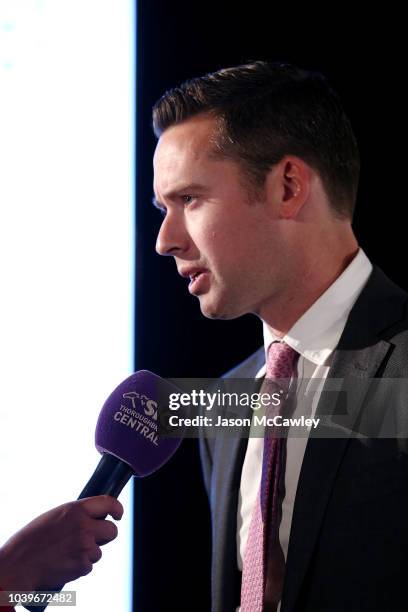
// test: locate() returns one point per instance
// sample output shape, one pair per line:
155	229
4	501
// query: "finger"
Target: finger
104	531
82	566
95	554
102	505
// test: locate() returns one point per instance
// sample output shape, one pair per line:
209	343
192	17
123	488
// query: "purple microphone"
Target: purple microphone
127	433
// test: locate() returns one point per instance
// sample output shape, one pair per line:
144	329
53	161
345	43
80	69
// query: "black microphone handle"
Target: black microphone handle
109	478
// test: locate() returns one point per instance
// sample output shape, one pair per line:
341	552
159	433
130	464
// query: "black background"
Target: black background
176	40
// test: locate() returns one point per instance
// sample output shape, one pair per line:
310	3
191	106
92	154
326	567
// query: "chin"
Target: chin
219	311
219	316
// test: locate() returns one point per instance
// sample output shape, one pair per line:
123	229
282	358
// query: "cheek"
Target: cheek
209	236
226	239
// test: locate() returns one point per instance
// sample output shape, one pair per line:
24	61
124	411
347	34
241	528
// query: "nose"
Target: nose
172	237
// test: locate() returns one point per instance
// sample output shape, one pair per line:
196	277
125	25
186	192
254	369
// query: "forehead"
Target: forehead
184	150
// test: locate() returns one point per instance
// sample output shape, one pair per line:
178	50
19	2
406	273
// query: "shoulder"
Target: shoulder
207	445
380	314
379	311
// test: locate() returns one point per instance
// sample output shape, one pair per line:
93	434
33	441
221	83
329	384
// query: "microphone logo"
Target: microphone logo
149	405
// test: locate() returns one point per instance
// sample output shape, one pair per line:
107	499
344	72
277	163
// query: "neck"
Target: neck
281	314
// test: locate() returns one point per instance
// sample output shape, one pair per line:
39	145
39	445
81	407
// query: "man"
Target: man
256	170
58	546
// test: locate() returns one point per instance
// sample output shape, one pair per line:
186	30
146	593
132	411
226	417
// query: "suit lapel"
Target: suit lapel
358	358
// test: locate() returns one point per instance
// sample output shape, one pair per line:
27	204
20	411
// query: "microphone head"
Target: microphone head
128	425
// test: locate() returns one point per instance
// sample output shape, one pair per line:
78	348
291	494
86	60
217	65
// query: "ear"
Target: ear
292	178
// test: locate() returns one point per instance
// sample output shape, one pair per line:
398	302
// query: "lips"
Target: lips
198	279
192	273
195	275
199	283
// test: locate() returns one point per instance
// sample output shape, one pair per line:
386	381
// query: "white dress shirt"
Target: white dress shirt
314	336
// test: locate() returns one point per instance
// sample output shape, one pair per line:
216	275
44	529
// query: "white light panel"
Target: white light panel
66	258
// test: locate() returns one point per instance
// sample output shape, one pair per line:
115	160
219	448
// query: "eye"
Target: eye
187	199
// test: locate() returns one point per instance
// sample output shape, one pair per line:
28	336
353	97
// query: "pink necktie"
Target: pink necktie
264	562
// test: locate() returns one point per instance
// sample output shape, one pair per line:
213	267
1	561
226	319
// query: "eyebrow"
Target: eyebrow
175	192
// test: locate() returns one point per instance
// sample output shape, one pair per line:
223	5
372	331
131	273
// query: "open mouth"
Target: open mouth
197	281
196	275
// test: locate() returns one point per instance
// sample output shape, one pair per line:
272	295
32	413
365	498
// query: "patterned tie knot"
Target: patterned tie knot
280	361
280	364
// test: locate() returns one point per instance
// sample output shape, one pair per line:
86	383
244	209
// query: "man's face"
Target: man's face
222	242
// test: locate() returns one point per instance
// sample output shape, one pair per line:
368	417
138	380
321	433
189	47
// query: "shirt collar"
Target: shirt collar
316	334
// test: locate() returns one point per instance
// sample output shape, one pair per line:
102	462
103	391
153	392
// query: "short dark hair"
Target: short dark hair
269	110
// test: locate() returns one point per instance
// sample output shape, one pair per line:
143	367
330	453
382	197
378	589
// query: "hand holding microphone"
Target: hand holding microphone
58	546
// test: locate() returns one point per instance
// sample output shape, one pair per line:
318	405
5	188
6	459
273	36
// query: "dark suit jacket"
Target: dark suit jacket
348	546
